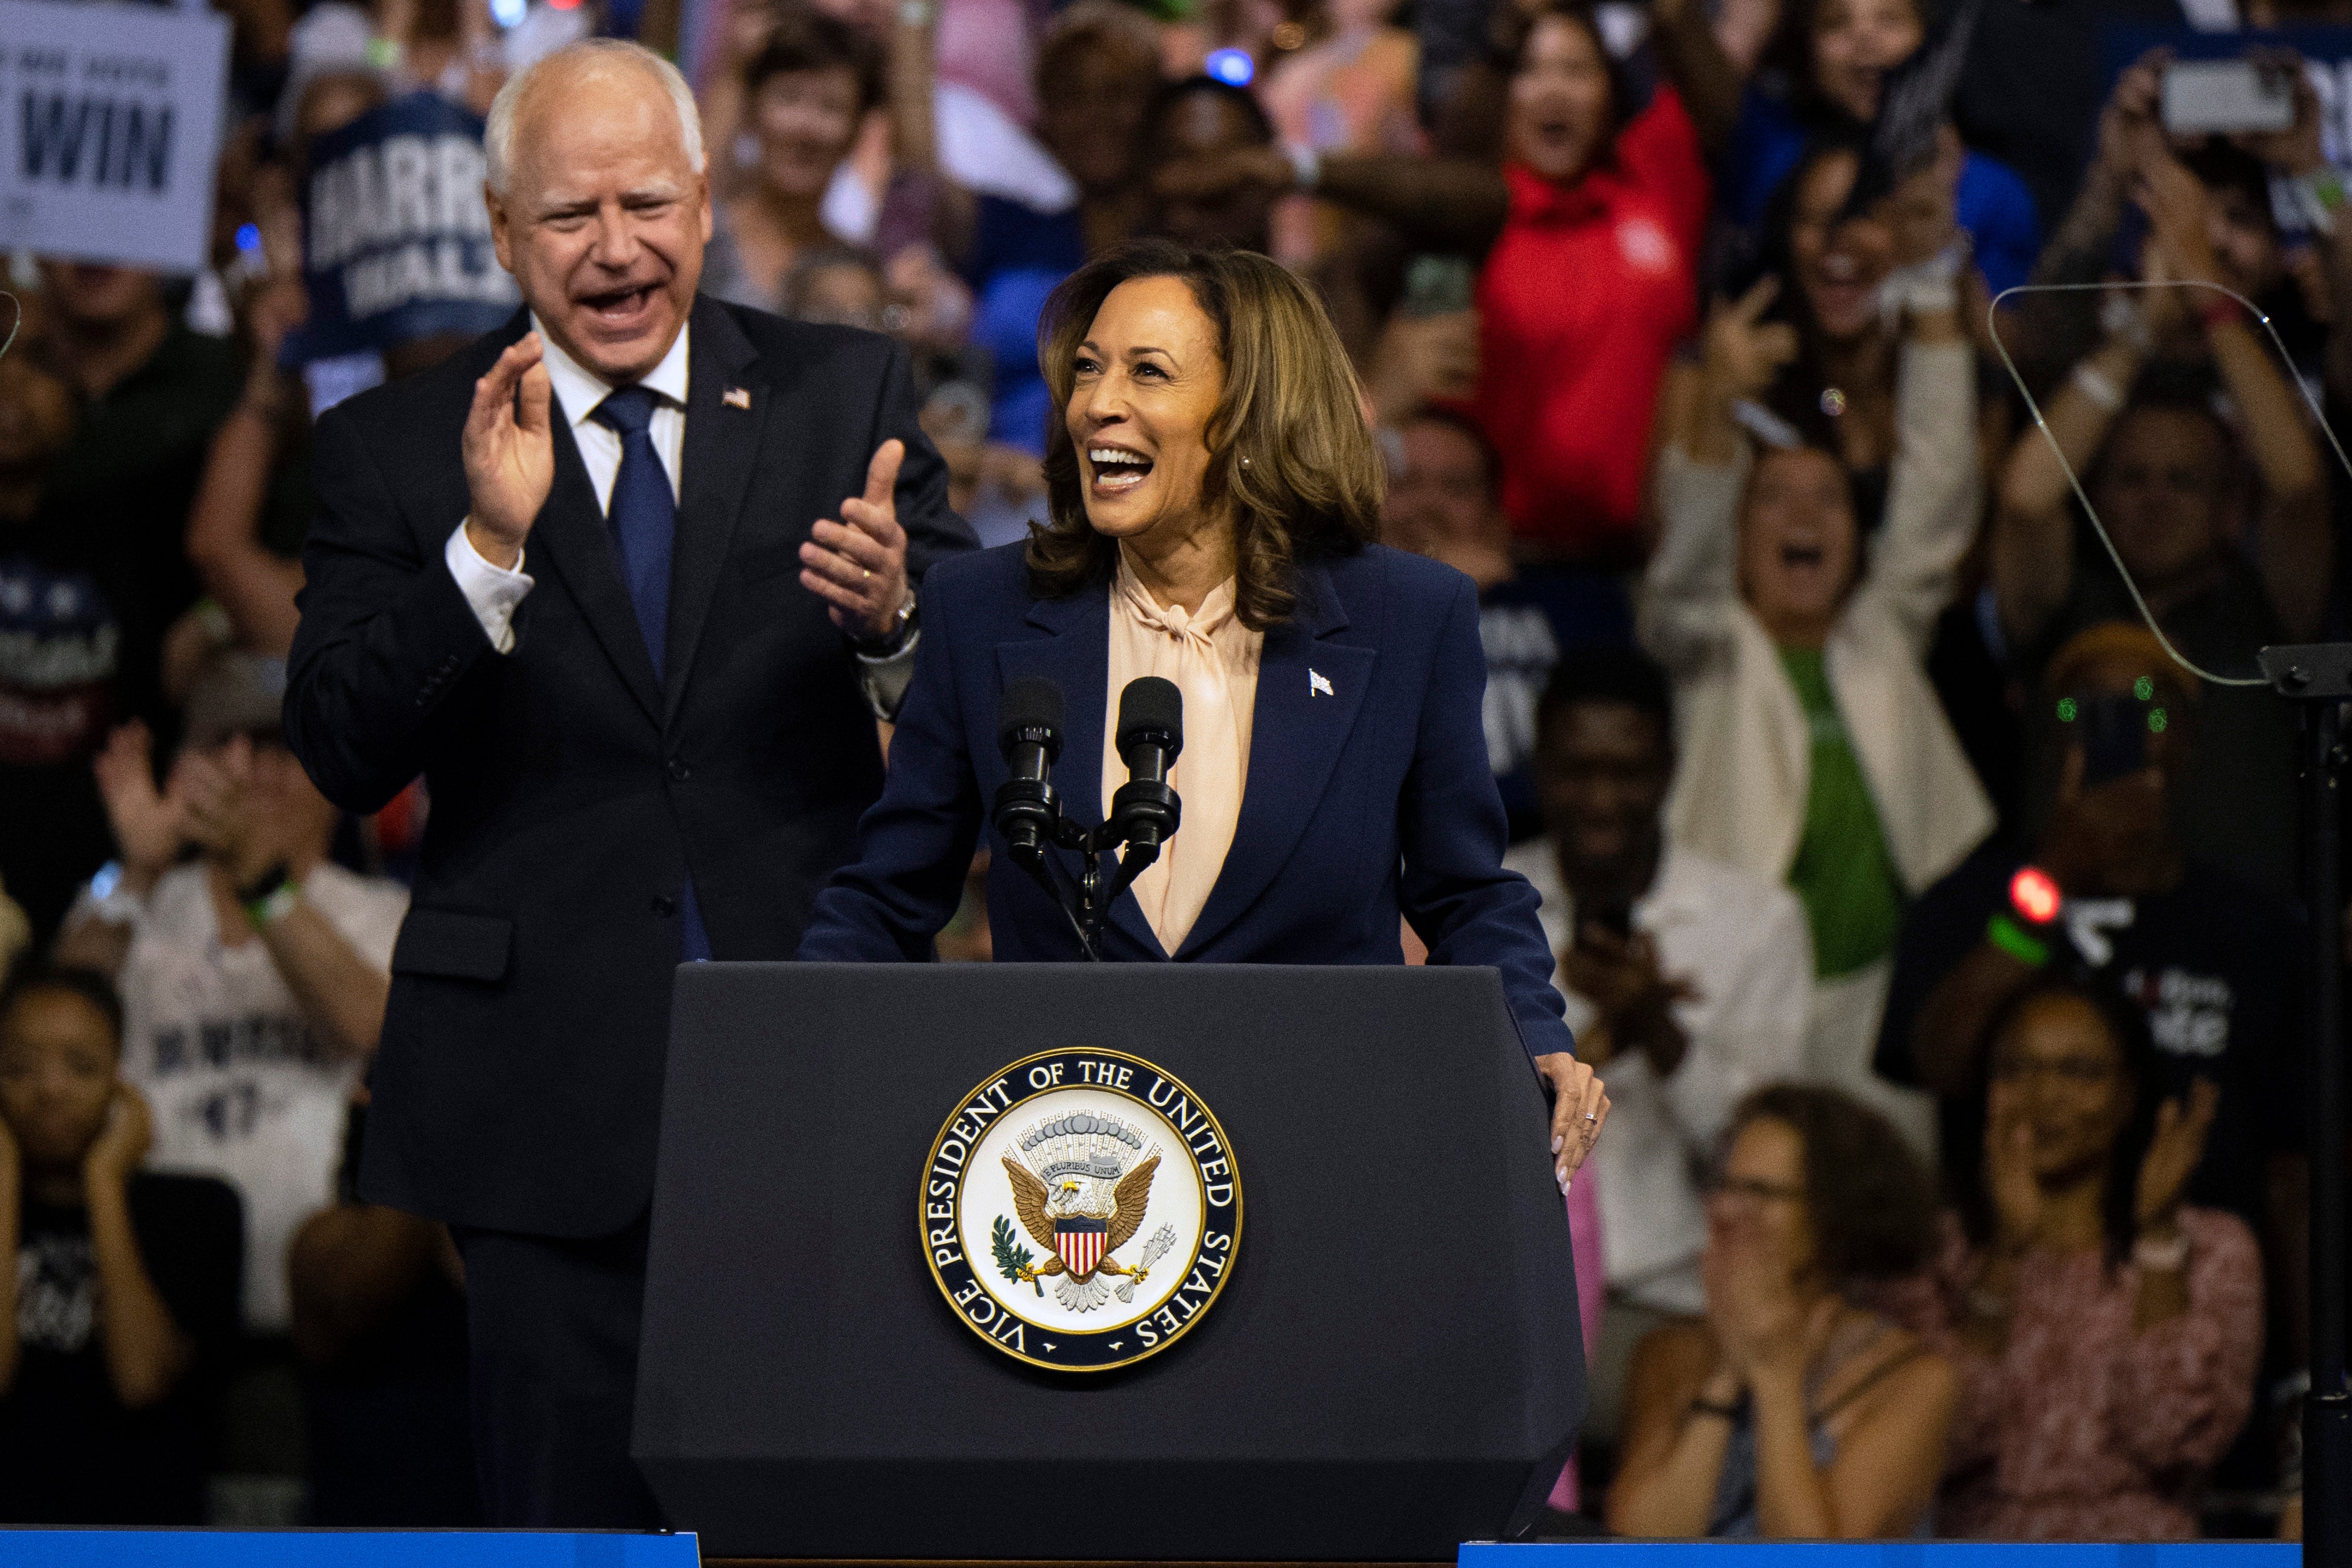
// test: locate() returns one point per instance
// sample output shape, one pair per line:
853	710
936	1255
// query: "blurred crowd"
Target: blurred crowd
1935	929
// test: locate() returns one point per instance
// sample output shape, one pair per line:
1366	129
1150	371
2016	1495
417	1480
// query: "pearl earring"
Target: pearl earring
1245	462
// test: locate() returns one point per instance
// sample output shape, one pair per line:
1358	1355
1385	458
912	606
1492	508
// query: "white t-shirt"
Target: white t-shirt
240	1086
1744	945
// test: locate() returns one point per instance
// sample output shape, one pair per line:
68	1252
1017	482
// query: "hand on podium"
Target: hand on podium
1580	1104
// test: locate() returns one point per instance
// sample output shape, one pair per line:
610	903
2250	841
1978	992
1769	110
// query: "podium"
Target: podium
1392	1363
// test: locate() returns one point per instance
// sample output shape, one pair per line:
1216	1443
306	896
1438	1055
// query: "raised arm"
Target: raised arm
150	828
1709	79
2047	333
2294	548
2033	555
1691	590
256	587
1935	492
1454	205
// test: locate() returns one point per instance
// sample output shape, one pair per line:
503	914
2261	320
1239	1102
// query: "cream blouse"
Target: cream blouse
1213	658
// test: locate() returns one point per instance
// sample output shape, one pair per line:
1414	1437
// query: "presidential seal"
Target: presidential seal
1080	1209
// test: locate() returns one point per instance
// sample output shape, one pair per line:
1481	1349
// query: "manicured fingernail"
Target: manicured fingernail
1556	1144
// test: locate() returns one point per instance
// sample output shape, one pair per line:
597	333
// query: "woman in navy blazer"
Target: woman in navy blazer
1214	452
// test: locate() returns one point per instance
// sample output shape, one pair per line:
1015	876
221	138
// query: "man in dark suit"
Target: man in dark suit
579	578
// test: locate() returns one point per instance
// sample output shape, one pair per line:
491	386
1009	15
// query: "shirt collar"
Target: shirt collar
579	389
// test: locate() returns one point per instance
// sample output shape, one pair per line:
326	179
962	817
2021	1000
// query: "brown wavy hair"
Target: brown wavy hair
1871	1203
1288	447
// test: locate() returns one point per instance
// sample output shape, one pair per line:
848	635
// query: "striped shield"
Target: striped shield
1079	1240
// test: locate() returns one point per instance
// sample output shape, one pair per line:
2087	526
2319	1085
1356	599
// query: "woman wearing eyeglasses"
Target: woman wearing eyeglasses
2106	1334
1791	1410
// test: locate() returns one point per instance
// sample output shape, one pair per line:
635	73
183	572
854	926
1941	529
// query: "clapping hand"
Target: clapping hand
509	450
2173	1155
150	825
858	566
223	817
2009	1179
1758	1322
1621	976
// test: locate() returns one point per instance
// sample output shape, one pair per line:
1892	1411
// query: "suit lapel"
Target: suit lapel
572	531
1077	658
726	415
1309	689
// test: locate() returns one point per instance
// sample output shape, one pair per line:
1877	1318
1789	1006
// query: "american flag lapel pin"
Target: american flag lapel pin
1317	685
736	397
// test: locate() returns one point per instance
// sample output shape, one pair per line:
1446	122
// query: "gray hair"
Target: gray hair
498	136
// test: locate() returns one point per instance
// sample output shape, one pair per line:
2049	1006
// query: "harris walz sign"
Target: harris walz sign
397	240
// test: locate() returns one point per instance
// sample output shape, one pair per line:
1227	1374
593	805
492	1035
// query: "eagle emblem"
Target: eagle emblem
1081	1185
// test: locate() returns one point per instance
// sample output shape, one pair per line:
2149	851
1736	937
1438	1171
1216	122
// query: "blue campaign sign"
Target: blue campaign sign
344	1549
397	241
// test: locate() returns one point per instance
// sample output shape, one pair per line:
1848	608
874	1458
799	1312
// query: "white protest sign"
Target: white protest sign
109	123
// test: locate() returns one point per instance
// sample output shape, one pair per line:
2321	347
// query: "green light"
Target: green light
2065	710
2155	720
2143	688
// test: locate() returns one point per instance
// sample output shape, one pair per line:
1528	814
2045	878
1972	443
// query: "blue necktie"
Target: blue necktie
643	516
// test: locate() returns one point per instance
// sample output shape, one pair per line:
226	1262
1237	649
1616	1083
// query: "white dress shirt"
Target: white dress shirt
494	591
1744	946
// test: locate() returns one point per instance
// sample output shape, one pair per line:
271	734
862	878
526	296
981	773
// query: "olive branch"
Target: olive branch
1009	1256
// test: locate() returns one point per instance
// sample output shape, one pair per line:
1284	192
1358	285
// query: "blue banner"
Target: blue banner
396	240
344	1549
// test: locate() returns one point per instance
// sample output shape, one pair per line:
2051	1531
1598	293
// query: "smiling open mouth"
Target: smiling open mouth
619	306
1801	554
1117	468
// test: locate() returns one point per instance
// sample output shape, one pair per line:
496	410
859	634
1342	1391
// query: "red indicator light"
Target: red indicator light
2035	896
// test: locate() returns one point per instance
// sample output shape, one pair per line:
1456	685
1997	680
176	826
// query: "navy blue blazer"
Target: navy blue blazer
1374	800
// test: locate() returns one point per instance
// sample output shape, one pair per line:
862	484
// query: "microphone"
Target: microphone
1029	734
1144	811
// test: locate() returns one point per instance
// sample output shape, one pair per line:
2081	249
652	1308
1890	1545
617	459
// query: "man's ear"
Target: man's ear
501	234
702	199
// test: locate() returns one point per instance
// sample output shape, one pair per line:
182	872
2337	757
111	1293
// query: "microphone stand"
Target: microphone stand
2317	678
1086	900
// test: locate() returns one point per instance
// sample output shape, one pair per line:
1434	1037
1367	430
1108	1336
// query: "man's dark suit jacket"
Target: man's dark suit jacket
1369	789
520	1079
